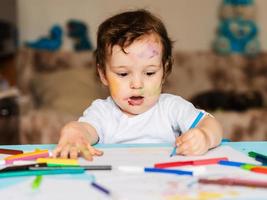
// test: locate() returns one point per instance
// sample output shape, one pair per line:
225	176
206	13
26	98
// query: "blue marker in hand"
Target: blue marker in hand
193	125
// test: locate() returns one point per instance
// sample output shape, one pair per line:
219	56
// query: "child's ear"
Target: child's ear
102	76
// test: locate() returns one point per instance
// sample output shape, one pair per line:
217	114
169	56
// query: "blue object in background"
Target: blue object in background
237	31
239	2
237	35
78	31
51	43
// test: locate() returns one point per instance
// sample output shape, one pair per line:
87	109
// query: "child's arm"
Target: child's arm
76	139
199	140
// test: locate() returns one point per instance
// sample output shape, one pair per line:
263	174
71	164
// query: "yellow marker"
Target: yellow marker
58	161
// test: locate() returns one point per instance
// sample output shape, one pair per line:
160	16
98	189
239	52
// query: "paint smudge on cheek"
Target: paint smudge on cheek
114	87
151	51
152	91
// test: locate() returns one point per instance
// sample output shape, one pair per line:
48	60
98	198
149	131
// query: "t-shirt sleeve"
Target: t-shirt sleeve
183	113
94	116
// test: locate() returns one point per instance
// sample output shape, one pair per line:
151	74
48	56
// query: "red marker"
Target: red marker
209	161
10	151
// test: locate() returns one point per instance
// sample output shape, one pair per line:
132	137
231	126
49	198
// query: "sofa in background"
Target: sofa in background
55	87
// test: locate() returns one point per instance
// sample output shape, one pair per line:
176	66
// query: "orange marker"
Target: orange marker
27	156
259	169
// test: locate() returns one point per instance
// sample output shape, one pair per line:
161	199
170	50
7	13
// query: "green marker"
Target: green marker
252	154
255	154
37	182
247	166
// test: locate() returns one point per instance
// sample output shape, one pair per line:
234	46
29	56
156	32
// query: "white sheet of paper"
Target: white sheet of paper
148	156
141	186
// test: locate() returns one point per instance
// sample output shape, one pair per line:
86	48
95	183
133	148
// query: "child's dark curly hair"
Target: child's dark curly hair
124	28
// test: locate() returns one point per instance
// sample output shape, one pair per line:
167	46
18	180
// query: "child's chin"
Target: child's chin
134	111
138	111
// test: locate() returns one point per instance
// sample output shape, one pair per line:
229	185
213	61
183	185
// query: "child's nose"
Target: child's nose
136	83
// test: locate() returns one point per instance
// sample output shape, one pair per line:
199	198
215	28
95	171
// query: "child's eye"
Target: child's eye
150	73
122	74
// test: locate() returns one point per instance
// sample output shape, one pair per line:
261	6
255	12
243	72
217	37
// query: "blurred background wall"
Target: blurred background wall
191	23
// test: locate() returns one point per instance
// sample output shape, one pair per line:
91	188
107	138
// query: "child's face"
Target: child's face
135	78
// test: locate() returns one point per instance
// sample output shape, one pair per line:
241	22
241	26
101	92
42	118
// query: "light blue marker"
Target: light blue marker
193	125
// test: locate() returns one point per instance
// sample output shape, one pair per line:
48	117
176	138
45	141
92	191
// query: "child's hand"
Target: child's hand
193	142
75	141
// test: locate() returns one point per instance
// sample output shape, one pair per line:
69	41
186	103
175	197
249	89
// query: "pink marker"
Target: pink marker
27	156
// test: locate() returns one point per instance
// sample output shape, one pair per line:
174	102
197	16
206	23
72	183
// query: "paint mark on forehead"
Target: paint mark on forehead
151	50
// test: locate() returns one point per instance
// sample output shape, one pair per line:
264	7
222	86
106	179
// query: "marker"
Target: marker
10	151
37	182
168	171
54	168
45	166
255	168
41	172
262	160
199	170
259	157
262	170
136	169
130	169
193	125
24	162
247	166
21	167
101	188
58	161
235	182
27	156
190	162
96	167
254	154
232	163
89	167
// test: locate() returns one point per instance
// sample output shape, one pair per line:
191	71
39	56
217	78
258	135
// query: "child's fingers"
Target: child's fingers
94	151
65	152
83	151
86	154
98	152
181	149
199	152
196	148
73	152
187	136
188	147
178	141
56	151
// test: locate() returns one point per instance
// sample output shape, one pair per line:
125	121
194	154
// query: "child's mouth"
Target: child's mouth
135	100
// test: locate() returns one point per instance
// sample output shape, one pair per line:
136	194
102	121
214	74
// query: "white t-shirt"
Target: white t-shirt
169	117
